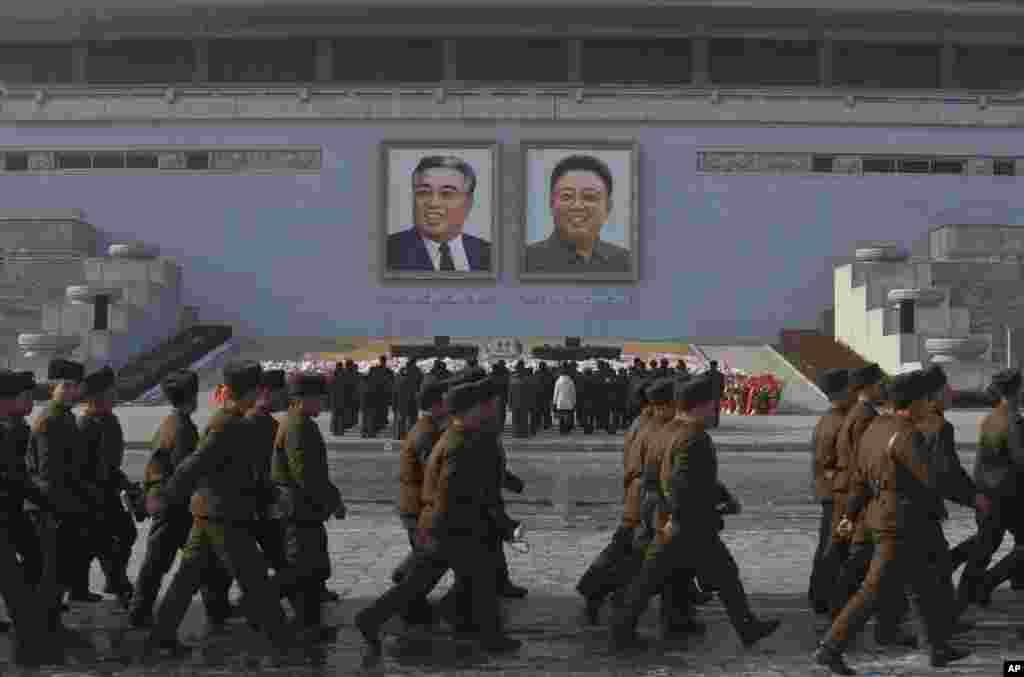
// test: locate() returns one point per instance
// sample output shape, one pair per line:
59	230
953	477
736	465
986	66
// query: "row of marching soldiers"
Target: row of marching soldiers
884	464
250	493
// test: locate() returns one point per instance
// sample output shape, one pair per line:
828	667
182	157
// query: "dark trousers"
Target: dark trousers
338	422
232	546
418	612
612	569
565	421
520	422
27	610
898	561
68	563
269	535
303	576
991	529
25	541
114	546
470	559
822	580
544	415
168	533
675	563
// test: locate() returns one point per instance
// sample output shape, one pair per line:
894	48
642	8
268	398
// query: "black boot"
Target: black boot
895	637
371	635
945	655
831	657
755	630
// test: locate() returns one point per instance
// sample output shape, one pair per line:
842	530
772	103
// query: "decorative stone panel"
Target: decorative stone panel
262	160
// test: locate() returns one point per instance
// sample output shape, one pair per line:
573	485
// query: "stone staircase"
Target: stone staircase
179	352
810	352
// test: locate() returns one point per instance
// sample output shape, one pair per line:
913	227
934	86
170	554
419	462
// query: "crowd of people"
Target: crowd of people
884	464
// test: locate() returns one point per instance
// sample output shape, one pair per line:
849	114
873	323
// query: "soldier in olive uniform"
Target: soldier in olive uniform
31	646
833	382
103	440
54	461
997	470
890	486
308	498
458	514
948	479
173	442
226	496
687	524
413	456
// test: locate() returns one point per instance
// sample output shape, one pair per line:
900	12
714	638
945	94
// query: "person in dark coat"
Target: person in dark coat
546	390
375	396
718	383
174	441
519	401
338	400
587	396
103	440
407	385
501	376
17	431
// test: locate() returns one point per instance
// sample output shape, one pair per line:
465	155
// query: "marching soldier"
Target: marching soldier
890	487
948	479
31	646
997	468
865	385
833	382
226	496
616	564
413	457
103	440
267	526
454	523
174	441
308	498
54	460
687	476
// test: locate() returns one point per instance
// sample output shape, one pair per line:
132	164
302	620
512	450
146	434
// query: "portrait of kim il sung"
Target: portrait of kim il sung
580	212
439	210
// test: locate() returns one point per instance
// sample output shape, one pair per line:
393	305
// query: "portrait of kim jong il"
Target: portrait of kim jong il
447	194
580	214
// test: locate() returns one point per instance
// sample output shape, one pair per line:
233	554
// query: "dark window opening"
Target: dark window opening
665	61
142	161
883	66
74	161
29	64
989	67
197	161
915	166
108	161
741	61
285	60
948	167
1003	168
874	165
101	313
16	162
822	163
388	60
140	61
512	60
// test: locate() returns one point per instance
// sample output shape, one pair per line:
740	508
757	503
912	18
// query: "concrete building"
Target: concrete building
244	140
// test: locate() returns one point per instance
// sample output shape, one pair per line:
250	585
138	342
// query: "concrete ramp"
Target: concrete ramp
799	395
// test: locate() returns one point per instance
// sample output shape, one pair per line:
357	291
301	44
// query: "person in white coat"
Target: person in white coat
564	400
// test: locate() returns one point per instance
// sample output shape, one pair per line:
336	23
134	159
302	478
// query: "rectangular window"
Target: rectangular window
1003	168
388	60
907	317
875	165
16	162
30	64
101	313
142	161
989	67
914	166
74	161
884	65
108	160
283	60
512	60
140	61
197	161
948	167
822	163
742	61
666	61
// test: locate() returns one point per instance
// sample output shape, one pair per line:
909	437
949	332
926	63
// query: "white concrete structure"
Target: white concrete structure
958	306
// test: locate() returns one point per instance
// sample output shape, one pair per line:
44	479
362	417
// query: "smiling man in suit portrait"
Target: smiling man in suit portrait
443	188
580	200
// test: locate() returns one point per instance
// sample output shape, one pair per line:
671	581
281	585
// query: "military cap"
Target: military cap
833	382
908	387
866	376
28	380
936	377
98	382
307	385
465	396
697	390
1007	382
431	392
65	370
10	384
639	391
180	386
273	379
661	391
241	376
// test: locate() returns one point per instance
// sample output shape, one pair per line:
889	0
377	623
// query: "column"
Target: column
947	66
906	309
324	60
79	62
825	62
575	61
701	61
450	71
